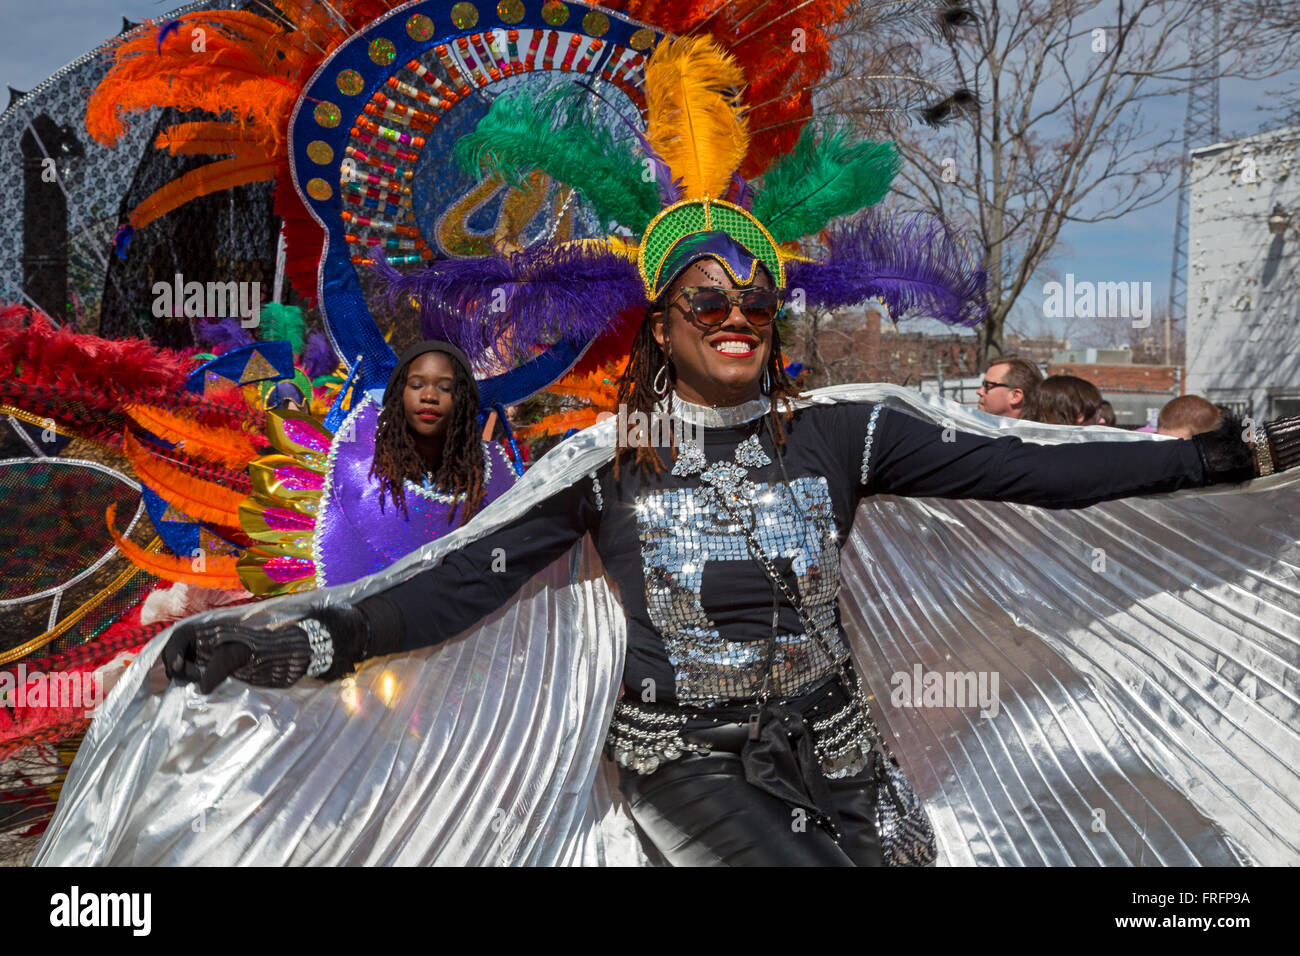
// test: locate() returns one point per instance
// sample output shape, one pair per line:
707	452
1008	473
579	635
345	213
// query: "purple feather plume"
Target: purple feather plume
506	307
168	28
740	192
318	357
914	263
221	337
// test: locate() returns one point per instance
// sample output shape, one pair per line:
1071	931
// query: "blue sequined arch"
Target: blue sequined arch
348	80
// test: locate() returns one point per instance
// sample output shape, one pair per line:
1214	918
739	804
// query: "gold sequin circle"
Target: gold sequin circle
555	13
350	82
382	51
319	189
320	152
464	15
327	114
510	11
419	27
642	39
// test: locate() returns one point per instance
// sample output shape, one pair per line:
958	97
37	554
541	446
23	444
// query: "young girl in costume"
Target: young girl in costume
396	475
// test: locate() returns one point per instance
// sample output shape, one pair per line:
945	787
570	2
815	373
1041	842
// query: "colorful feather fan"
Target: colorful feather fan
522	132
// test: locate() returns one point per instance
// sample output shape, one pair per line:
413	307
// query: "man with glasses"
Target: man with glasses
1009	386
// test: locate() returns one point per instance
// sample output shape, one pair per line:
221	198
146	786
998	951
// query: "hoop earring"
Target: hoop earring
661	389
767	381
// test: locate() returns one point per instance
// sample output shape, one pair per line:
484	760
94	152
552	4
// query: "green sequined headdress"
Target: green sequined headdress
669	231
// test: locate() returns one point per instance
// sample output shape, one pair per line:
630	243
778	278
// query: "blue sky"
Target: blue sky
48	34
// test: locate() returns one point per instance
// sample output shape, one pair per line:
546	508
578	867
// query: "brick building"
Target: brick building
864	346
1036	349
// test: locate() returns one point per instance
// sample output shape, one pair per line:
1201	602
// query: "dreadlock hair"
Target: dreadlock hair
636	390
396	458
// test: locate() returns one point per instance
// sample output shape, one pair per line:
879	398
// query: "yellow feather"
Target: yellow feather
693	93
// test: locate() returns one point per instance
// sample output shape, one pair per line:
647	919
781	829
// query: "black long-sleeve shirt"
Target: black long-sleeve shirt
699	607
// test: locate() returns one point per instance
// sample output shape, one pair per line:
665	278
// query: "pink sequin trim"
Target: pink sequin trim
282	570
299	479
282	519
303	434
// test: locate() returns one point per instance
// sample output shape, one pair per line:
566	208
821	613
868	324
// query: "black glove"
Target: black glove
1225	454
327	644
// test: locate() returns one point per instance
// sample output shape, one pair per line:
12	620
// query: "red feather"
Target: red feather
304	239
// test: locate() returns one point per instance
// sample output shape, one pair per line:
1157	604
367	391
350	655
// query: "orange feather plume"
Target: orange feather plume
202	500
692	88
598	391
212	178
225	446
559	424
213	138
218	61
218	571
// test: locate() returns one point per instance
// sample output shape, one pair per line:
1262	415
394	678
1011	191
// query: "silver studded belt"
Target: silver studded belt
642	737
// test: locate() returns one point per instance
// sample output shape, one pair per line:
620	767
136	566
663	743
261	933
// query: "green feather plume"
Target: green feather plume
821	179
522	132
283	323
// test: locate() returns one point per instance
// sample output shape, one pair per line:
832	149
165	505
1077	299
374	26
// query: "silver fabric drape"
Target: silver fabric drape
1146	654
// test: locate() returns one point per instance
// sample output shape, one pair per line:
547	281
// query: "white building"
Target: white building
1243	274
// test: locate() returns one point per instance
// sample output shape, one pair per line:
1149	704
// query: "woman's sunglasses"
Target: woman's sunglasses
710	306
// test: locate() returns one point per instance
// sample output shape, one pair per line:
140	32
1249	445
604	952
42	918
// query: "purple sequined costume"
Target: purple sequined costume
354	536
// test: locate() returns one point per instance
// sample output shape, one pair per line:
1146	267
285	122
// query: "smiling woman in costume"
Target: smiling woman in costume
741	703
743	710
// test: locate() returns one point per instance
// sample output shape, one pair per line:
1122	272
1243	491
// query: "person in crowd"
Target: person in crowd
1009	386
1188	415
1066	400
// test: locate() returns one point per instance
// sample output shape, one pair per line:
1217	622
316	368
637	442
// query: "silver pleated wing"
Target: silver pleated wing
1147	711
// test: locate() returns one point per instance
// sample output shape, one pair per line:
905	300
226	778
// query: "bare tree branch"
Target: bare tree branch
1062	135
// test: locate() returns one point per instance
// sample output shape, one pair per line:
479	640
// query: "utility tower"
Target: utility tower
1200	128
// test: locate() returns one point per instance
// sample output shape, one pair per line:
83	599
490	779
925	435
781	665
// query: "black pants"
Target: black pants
700	811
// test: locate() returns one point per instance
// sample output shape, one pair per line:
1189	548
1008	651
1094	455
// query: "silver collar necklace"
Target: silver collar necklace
708	416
